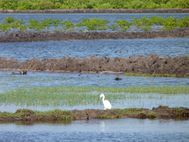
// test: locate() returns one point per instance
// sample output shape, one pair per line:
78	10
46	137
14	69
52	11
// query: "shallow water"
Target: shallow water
76	17
85	48
119	130
33	79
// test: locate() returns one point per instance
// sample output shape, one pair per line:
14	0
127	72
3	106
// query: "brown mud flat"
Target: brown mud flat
153	64
161	112
174	10
43	36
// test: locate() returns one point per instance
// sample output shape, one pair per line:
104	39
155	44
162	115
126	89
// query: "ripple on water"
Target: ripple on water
76	17
85	48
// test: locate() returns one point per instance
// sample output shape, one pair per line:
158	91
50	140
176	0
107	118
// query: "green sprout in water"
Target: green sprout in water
123	25
94	24
67	25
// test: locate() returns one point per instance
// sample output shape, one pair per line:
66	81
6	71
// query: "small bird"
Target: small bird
107	104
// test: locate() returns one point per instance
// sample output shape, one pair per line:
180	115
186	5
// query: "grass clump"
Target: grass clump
67	25
53	115
94	24
123	25
130	112
144	23
29	115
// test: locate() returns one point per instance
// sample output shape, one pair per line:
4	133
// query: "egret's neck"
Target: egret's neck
103	98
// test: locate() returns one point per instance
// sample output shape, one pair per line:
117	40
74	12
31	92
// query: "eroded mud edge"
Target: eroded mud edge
153	64
44	36
161	112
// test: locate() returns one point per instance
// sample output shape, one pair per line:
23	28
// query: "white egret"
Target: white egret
107	104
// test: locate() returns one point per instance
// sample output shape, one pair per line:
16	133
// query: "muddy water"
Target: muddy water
33	79
84	48
76	17
121	130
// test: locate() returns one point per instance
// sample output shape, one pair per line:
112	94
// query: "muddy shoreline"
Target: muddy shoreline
44	36
173	10
161	112
153	64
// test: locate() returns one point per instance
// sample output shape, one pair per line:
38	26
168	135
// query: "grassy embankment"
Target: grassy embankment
70	96
29	116
93	24
91	4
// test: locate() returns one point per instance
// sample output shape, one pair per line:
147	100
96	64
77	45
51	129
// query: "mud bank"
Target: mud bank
39	36
178	66
161	112
174	10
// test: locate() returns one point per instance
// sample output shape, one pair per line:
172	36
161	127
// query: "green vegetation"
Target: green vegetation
29	115
131	112
144	23
71	96
60	116
67	25
94	24
91	4
97	24
120	113
122	25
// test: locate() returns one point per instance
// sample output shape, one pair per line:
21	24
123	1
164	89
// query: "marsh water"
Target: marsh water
10	82
84	48
76	17
119	130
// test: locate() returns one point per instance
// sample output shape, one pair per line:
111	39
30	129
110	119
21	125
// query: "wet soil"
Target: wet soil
39	36
161	112
153	64
163	10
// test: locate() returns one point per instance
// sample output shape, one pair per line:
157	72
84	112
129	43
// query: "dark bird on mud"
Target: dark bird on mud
23	72
118	78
